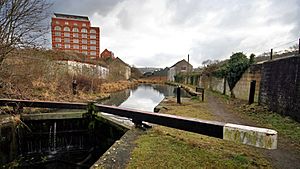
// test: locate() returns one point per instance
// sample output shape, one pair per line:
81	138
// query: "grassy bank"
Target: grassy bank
163	147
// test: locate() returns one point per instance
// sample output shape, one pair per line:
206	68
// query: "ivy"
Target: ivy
236	66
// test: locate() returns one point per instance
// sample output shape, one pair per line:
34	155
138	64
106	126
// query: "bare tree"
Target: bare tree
21	24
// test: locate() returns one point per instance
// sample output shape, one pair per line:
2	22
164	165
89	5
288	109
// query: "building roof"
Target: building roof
120	61
67	16
183	60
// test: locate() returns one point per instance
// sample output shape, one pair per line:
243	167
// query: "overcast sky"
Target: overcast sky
158	33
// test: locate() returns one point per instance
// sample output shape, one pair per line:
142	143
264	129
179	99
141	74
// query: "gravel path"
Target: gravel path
285	156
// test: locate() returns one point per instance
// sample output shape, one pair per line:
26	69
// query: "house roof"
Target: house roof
183	60
105	50
119	60
67	16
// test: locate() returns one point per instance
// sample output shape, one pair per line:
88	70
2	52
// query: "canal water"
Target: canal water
143	97
78	143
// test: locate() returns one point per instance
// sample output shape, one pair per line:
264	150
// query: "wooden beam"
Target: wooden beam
259	137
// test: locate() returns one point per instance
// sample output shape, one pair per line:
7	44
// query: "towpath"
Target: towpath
285	156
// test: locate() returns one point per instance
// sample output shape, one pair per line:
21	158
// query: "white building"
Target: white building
77	67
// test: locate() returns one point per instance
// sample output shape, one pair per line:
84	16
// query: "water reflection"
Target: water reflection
143	97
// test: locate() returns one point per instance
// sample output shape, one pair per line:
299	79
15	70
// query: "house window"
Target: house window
75	46
93	42
75	35
84	35
67	46
93	53
67	29
92	31
57	34
93	47
75	24
58	45
66	23
183	68
93	36
67	40
67	34
75	41
83	30
84	47
57	28
75	30
57	40
56	22
84	41
85	52
83	24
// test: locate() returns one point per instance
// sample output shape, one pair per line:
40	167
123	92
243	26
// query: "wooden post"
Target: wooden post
203	94
252	91
299	47
178	95
271	54
224	88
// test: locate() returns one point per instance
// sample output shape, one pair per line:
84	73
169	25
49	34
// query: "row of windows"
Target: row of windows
75	24
67	29
84	41
68	46
75	35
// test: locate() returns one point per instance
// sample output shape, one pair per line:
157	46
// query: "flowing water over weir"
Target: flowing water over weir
72	142
64	143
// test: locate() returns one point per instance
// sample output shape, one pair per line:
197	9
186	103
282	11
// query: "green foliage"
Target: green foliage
252	57
179	78
236	66
221	71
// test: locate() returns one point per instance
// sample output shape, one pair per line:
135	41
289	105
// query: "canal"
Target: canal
75	143
143	97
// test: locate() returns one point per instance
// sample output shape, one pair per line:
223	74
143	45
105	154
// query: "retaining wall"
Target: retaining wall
280	86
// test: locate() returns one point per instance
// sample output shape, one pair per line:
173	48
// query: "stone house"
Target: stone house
119	70
180	67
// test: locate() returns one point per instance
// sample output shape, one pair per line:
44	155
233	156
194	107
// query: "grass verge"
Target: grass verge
163	147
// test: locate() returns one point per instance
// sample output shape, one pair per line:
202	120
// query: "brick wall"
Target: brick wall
280	86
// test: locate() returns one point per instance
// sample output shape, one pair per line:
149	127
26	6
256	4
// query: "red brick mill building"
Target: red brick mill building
75	34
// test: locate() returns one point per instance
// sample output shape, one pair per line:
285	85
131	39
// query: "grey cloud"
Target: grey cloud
214	49
86	7
125	20
161	60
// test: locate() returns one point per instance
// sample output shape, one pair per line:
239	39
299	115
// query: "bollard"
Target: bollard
203	94
252	91
200	90
178	95
271	54
74	87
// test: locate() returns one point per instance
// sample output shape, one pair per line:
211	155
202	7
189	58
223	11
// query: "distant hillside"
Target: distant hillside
148	69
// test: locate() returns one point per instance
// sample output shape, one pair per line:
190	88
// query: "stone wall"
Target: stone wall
217	84
242	88
280	86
